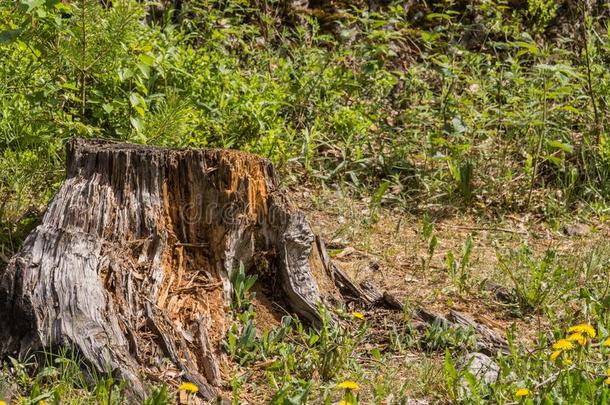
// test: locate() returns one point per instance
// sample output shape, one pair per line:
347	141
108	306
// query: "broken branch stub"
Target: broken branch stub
132	262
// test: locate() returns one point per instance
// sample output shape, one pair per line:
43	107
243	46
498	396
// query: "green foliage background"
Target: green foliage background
456	103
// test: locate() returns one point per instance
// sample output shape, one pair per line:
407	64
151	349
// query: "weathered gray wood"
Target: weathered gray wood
489	340
367	293
371	291
347	286
133	260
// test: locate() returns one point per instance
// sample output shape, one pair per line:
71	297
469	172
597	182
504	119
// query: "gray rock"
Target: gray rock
577	229
7	390
482	367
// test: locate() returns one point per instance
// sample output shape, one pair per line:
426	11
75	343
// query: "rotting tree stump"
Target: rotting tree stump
131	264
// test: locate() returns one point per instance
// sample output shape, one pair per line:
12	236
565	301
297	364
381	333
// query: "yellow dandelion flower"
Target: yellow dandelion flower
188	387
583	328
563	344
344	402
349	385
608	372
555	354
2	402
358	315
606	342
578	338
522	392
567	362
43	403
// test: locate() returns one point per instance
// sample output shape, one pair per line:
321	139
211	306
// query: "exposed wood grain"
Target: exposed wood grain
132	262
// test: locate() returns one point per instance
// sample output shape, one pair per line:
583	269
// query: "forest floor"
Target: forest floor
391	248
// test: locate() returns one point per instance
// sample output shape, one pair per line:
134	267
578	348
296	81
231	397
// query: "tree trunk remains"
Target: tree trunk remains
131	265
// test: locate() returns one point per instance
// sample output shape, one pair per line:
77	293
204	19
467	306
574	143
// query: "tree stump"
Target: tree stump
132	263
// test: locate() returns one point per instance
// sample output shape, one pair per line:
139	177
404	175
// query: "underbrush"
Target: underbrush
493	115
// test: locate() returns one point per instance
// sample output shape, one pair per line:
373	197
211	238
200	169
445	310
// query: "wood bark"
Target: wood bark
131	266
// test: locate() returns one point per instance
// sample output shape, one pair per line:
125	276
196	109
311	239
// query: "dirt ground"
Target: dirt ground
387	246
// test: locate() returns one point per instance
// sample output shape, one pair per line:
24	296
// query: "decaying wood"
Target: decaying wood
367	293
132	263
430	317
372	293
489	341
347	286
